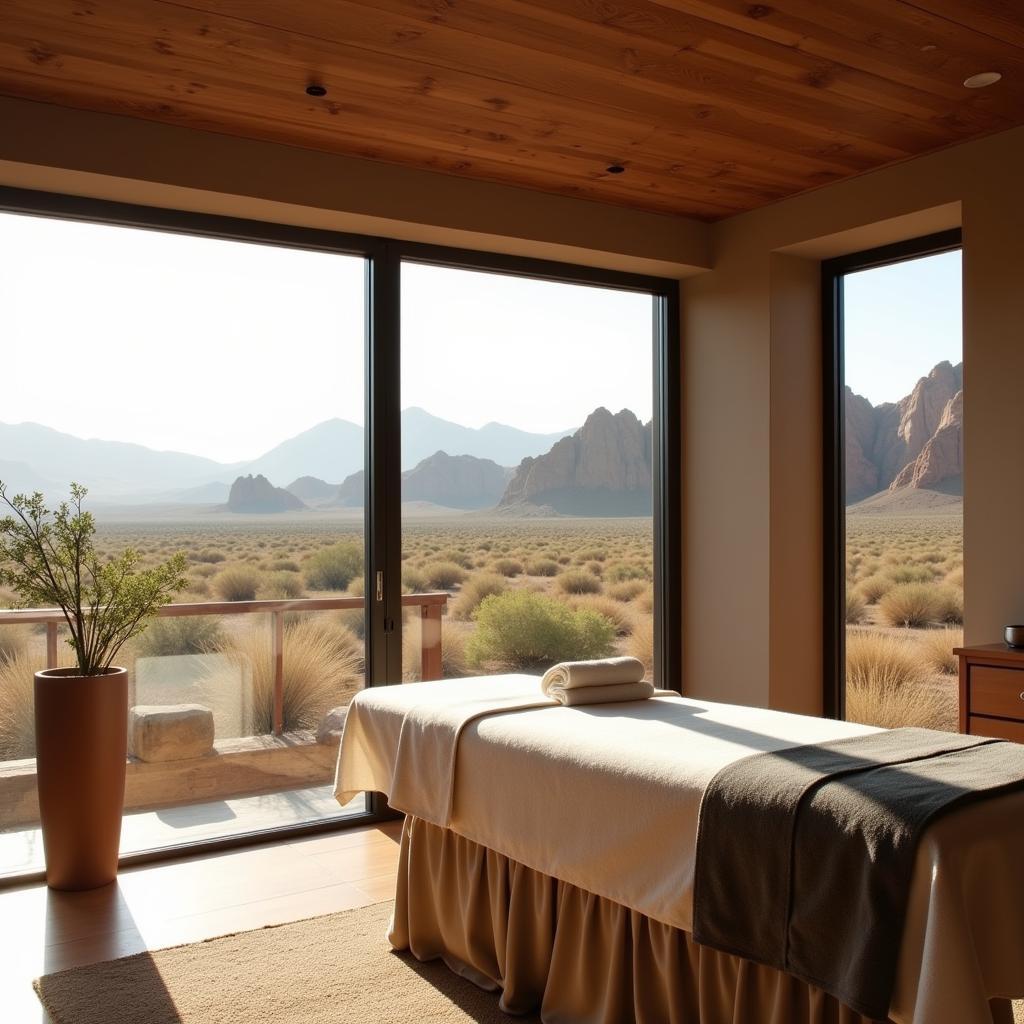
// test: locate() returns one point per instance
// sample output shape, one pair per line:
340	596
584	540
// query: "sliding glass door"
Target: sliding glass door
527	472
898	515
383	463
209	394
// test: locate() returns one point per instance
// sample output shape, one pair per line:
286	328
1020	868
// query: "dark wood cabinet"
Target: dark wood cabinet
992	691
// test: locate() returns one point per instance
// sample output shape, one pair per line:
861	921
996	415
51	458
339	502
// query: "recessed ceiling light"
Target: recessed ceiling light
316	90
615	169
981	80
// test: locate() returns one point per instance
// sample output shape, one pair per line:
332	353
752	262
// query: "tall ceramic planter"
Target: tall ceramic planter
81	747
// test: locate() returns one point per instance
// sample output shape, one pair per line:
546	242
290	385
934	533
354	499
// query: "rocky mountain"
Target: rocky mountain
257	494
916	442
453	481
604	469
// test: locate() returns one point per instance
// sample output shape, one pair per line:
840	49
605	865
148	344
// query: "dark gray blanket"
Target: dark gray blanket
804	856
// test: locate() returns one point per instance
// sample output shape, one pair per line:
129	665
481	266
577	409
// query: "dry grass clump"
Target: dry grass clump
238	583
618	614
873	588
955	577
443	575
645	601
185	634
283	565
912	574
473	591
887	686
357	587
949	605
578	581
14	640
855	607
282	586
641	645
458	556
936	649
542	567
208	555
17	703
523	629
910	605
323	665
507	566
619	571
334	566
413	579
627	590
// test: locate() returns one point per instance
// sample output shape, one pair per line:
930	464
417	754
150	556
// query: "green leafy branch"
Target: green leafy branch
48	557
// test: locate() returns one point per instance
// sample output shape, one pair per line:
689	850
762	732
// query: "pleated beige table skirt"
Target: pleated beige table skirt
576	957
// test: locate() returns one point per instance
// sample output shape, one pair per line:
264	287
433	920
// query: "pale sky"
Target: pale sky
900	321
225	349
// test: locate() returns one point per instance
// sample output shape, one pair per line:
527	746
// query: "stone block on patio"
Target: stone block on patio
331	726
172	732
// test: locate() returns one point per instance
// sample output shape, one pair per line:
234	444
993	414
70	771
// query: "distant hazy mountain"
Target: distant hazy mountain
454	481
110	468
332	450
19	478
424	434
311	488
604	469
258	494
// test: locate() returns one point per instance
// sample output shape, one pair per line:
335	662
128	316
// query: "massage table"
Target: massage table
548	852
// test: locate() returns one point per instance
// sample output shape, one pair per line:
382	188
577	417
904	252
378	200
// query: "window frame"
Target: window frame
833	272
382	459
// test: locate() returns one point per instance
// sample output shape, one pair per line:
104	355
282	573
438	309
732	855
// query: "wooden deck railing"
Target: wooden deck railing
431	607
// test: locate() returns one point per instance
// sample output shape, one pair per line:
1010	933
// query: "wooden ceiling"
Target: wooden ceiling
711	106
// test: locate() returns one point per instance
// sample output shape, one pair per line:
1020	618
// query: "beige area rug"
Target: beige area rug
336	969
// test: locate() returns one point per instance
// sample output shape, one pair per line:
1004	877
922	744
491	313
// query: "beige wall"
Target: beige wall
752	413
752	346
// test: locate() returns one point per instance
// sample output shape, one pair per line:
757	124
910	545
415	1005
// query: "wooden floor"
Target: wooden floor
187	901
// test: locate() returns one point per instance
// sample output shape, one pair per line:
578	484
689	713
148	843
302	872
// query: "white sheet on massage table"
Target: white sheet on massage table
606	797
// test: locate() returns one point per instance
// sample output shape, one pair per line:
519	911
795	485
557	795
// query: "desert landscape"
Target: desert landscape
904	554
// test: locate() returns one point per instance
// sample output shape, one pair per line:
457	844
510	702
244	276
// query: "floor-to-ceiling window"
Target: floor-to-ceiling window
209	394
381	463
528	470
899	533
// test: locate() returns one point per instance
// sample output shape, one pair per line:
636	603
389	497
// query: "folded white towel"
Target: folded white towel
607	681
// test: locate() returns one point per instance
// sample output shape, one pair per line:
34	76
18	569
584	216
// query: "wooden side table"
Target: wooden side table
992	691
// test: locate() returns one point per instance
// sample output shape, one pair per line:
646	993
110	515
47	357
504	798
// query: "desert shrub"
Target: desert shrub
413	579
641	644
282	586
443	575
507	566
238	583
283	565
185	634
619	571
949	605
458	556
618	614
955	577
909	604
357	588
209	555
645	601
874	588
886	685
590	555
522	629
578	581
333	567
597	568
204	570
626	590
542	567
453	652
936	647
474	590
911	574
323	668
855	607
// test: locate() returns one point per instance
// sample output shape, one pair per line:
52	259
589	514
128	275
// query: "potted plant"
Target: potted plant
48	557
